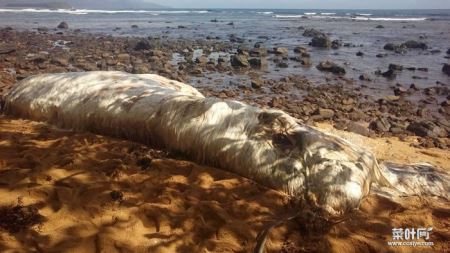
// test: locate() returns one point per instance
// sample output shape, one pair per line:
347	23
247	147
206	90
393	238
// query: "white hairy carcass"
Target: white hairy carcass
268	146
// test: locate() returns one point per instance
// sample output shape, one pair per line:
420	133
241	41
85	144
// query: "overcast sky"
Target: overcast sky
308	4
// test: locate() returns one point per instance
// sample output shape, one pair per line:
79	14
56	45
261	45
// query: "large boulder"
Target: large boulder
321	41
63	25
239	61
332	67
426	129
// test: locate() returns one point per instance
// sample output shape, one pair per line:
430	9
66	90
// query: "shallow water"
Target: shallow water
281	28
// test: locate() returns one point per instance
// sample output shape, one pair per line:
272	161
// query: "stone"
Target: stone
63	25
306	62
332	67
321	41
379	27
380	125
255	62
256	83
281	51
239	61
142	45
426	129
336	44
283	64
389	74
300	50
358	129
400	49
395	67
415	44
446	69
360	53
61	61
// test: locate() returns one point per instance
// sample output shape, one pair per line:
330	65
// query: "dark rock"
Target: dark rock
448	51
321	41
231	23
380	55
446	69
423	69
400	49
379	27
134	26
331	67
395	67
283	65
63	25
256	62
360	53
239	61
142	45
415	44
380	125
214	20
389	74
426	129
336	44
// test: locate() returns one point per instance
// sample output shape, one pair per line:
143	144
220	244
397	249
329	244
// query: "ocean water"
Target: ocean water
281	28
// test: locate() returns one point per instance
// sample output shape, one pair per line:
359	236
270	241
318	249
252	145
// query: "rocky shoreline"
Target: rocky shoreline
221	68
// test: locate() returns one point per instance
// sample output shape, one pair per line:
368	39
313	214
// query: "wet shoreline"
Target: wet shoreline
257	75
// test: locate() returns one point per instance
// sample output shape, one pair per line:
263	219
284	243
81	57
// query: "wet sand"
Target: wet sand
99	194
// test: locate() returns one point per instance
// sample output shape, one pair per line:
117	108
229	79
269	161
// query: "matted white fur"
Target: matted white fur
267	146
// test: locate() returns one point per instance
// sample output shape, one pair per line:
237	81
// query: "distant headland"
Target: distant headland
79	4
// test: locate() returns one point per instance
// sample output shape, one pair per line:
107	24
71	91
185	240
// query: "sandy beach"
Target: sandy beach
98	194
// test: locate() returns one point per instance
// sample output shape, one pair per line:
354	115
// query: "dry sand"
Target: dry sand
175	205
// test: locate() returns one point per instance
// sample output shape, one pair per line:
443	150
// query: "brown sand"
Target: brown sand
97	194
